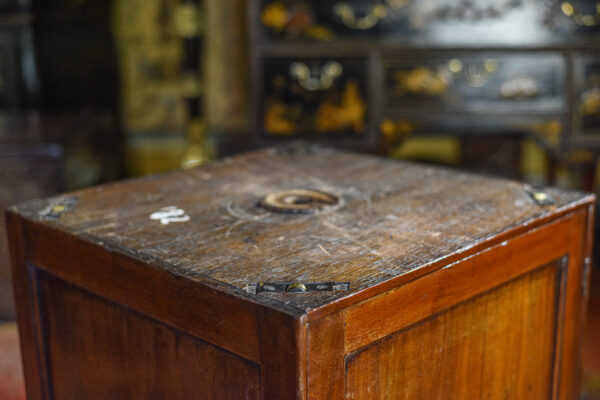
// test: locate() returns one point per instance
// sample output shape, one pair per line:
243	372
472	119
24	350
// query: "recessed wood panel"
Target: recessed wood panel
497	346
99	350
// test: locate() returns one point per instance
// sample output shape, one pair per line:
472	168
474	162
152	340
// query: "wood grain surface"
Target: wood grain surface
497	346
394	219
99	350
459	284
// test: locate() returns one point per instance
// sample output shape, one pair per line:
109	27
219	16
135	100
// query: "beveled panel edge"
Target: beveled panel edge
325	358
283	355
363	321
194	307
489	297
580	242
43	274
562	273
452	258
31	348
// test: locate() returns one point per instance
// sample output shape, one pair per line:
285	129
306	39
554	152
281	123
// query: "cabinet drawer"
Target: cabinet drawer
314	97
493	84
330	19
427	21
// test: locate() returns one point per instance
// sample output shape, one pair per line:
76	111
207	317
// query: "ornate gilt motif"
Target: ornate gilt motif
295	20
394	131
580	157
349	17
280	118
590	102
197	152
322	80
435	81
349	114
150	55
312	98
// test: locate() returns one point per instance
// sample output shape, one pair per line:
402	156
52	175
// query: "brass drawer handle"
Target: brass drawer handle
581	19
348	16
313	80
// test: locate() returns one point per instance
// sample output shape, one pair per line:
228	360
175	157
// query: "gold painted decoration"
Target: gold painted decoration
323	80
350	18
311	97
150	55
580	157
275	16
295	20
549	131
590	102
394	131
420	81
349	114
197	152
435	81
188	20
279	119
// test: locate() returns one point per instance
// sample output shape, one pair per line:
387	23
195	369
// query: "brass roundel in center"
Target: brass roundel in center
298	201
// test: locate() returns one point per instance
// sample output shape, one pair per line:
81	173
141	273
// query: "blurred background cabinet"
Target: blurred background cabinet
515	68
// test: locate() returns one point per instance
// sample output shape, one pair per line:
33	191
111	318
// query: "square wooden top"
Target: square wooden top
390	219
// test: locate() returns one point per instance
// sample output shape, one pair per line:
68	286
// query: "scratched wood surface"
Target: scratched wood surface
392	219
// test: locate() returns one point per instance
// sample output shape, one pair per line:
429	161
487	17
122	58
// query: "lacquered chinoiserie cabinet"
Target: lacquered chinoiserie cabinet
303	273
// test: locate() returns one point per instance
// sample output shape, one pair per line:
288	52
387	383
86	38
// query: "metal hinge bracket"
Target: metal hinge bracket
295	287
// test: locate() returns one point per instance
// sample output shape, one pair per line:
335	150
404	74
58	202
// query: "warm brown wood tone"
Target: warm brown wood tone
436	292
438	262
99	350
183	305
326	358
459	360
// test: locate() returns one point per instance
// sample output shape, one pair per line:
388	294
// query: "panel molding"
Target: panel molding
116	350
384	314
447	353
191	306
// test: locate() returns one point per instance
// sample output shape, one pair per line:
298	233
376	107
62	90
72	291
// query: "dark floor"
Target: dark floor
11	381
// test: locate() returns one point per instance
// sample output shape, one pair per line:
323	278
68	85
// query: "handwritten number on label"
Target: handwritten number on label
166	215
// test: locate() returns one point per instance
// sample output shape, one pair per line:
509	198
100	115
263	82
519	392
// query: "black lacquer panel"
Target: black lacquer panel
495	83
508	22
314	97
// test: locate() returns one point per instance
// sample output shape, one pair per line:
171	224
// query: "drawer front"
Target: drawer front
587	109
476	21
315	97
494	84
